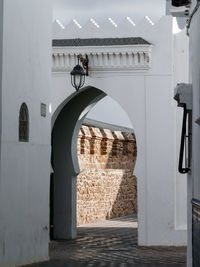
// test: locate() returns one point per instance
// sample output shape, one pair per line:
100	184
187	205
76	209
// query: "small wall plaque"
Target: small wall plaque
43	110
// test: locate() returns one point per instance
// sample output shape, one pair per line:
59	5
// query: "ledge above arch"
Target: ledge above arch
105	54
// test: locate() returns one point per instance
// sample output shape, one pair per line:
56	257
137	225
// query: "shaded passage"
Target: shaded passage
111	243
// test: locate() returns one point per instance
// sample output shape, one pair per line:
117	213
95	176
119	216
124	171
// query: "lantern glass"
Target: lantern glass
77	77
77	81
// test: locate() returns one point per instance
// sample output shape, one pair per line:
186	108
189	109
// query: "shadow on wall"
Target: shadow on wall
106	186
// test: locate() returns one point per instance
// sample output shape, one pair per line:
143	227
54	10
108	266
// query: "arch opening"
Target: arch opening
106	185
67	123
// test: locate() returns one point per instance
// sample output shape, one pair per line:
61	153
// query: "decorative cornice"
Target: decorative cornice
104	58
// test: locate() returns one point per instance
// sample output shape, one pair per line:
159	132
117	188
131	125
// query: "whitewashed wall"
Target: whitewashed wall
67	10
193	180
195	78
1	59
181	74
25	167
147	98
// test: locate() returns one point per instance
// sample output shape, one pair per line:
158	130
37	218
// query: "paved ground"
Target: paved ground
111	243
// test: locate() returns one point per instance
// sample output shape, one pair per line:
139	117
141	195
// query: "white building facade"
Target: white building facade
139	72
136	67
25	166
193	7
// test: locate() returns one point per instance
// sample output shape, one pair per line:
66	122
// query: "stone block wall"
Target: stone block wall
106	186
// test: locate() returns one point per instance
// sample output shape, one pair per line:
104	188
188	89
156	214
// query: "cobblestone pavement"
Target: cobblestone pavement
111	243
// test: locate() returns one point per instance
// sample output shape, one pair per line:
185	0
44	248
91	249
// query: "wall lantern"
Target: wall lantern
78	74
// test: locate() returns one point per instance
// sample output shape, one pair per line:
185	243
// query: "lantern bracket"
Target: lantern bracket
85	62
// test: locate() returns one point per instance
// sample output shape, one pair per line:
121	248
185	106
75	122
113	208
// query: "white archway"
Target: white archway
66	123
139	77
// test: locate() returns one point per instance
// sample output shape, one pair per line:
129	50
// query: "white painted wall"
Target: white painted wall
147	98
66	10
181	74
103	112
193	180
195	77
25	167
1	61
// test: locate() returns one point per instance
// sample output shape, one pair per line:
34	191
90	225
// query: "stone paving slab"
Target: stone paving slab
111	243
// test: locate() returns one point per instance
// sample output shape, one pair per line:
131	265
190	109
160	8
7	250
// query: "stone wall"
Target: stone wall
106	186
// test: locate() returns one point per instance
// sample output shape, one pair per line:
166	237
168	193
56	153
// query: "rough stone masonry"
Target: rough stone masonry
106	186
